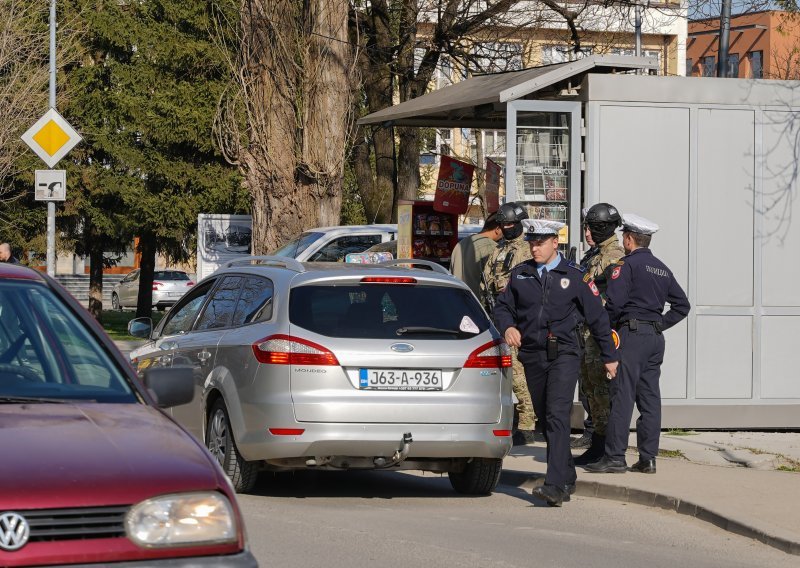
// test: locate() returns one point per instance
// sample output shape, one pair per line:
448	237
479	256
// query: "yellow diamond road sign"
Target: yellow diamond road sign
51	138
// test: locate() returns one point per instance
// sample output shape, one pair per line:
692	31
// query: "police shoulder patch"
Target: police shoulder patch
577	266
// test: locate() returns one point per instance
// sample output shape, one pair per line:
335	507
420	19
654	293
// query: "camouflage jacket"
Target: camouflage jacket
599	258
504	258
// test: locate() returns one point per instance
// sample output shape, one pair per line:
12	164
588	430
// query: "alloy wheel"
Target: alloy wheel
218	436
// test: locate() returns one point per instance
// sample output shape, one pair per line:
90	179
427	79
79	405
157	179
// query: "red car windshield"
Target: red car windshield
46	352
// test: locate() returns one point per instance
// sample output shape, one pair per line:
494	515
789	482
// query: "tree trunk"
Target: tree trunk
96	280
375	64
147	265
297	83
408	163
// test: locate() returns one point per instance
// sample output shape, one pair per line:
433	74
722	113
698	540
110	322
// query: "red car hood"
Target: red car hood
88	454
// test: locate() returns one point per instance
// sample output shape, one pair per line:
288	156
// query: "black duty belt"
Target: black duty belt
633	324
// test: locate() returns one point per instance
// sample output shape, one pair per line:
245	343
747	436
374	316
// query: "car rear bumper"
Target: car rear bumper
430	442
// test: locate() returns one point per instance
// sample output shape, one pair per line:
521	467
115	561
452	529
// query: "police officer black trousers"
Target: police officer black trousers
641	353
552	387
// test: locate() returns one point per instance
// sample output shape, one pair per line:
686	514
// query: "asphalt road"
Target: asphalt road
374	519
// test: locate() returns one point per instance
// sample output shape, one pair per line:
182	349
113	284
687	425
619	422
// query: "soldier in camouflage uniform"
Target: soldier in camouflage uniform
600	224
512	250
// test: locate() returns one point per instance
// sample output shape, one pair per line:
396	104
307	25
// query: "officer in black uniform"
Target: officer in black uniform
638	287
540	312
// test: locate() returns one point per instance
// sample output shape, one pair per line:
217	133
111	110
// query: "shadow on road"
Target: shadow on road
363	484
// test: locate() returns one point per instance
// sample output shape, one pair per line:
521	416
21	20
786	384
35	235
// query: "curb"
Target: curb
527	480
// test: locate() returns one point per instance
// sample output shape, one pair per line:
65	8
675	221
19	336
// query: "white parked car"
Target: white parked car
168	287
332	244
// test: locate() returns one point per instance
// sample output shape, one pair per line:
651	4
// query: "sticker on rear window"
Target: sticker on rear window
467	325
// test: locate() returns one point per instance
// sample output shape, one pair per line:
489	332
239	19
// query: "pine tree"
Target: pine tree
144	96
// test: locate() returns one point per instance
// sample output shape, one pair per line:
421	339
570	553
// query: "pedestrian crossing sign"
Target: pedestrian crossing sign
51	138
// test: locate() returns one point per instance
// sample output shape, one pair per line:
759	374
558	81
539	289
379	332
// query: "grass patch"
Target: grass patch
680	432
670	454
116	322
792	468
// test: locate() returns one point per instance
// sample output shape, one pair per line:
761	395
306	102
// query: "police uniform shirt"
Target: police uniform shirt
638	287
558	303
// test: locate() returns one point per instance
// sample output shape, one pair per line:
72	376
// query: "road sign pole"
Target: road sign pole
51	207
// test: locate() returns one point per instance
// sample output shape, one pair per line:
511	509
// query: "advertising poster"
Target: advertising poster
492	192
452	187
404	212
220	239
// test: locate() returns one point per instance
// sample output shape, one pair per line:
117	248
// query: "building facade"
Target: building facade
763	45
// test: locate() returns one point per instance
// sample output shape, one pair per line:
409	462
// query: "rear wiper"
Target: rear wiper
33	399
440	330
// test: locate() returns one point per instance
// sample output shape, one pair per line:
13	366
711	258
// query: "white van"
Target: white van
332	244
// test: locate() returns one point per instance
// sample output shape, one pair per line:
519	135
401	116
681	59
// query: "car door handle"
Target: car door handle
204	356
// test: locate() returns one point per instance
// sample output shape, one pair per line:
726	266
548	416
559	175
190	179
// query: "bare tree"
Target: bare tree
404	44
23	79
286	121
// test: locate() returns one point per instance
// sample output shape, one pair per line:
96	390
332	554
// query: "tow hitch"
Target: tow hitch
399	455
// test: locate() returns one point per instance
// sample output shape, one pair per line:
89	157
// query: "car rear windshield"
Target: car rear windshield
46	351
170	275
297	245
387	311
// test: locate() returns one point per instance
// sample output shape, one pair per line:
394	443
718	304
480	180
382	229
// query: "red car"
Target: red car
92	470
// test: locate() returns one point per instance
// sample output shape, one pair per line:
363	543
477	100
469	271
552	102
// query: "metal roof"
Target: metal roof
480	101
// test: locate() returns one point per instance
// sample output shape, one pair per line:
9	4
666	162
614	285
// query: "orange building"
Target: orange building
762	45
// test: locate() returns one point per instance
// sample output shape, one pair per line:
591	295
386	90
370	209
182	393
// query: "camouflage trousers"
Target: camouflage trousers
524	406
594	385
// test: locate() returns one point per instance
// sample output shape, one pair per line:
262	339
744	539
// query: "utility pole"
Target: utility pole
638	30
51	206
724	38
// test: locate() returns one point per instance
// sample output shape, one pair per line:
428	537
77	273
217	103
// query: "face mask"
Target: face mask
513	232
601	232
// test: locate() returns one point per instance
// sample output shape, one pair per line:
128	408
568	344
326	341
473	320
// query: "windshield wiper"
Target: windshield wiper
437	330
34	399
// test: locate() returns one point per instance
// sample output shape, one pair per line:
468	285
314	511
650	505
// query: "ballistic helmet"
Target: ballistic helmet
511	213
602	220
603	213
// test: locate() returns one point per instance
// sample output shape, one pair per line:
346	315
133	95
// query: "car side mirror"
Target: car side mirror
141	327
170	386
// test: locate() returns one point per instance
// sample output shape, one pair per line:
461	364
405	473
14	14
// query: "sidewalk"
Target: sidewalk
729	479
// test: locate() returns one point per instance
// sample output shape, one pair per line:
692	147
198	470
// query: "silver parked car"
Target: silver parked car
168	287
339	366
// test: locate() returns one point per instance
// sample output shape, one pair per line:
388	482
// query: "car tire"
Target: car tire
115	305
479	477
220	442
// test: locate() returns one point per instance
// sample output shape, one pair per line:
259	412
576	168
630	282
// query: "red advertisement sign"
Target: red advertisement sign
452	187
492	192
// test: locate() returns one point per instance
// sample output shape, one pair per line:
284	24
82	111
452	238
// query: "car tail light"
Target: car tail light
491	355
156	285
501	433
288	350
388	280
190	283
286	431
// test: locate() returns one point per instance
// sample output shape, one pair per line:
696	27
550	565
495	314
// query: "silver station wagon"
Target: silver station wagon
339	366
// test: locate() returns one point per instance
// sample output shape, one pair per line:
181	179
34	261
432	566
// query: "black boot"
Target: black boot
595	451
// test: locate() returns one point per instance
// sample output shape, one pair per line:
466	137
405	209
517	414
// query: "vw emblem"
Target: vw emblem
402	347
14	531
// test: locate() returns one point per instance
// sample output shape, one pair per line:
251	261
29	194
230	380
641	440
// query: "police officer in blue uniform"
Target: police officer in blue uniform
638	287
540	312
